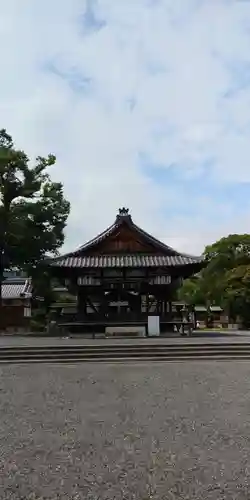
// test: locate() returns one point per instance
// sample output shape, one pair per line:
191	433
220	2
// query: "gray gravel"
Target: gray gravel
125	431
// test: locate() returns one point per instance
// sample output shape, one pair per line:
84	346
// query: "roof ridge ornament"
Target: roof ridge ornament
123	212
123	215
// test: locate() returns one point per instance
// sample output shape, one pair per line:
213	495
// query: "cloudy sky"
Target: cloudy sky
146	103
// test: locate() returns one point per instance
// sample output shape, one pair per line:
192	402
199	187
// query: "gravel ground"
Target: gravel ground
125	431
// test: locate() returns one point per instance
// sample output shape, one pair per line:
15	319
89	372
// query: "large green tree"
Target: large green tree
225	279
223	256
236	296
33	210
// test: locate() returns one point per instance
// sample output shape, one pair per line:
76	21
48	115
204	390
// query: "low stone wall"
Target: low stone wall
234	326
137	331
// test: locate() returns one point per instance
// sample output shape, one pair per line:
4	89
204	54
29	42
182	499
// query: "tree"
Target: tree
33	210
191	291
237	292
36	226
225	279
222	257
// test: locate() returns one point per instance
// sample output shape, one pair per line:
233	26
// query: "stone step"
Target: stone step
127	359
104	354
124	347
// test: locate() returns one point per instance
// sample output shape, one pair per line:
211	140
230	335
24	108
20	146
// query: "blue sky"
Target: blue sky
146	103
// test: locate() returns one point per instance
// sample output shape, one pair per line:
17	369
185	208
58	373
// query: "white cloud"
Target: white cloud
151	81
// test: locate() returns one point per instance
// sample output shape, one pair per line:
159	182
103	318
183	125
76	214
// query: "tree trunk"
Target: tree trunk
1	281
2	266
3	250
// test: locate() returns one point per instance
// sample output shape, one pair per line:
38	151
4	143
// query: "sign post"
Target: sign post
153	326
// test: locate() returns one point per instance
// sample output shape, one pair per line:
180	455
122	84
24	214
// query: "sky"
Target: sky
145	103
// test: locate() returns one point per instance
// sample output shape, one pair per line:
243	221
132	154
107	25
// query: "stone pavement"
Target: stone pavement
197	338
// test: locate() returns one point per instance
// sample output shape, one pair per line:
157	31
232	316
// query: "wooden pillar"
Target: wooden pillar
147	307
161	307
78	301
103	304
81	302
157	306
165	307
170	310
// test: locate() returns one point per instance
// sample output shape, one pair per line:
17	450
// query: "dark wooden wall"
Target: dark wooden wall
124	240
13	316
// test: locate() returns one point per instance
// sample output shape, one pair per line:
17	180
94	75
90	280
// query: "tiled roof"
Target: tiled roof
125	219
135	260
82	258
16	288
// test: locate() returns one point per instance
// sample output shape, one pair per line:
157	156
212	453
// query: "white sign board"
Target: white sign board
27	312
153	326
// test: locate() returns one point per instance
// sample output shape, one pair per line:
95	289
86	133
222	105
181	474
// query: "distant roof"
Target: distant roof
164	255
16	288
200	308
211	308
216	308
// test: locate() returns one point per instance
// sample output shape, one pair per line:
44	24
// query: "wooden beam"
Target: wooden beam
90	303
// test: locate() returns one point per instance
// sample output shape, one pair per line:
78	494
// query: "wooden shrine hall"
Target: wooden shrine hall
122	277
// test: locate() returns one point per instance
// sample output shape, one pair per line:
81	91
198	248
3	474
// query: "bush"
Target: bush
37	325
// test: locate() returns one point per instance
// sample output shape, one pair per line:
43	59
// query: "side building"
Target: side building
16	302
121	277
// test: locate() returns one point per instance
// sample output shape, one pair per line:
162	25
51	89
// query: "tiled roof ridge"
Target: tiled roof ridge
125	260
15	279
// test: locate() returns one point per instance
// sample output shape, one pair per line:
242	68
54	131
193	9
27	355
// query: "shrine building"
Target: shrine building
122	277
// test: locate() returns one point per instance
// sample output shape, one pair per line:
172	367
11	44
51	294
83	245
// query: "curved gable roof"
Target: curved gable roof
120	221
124	219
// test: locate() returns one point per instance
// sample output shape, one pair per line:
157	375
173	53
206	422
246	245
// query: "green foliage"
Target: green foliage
191	291
237	292
223	256
66	298
17	179
36	226
225	280
38	324
229	251
33	210
42	287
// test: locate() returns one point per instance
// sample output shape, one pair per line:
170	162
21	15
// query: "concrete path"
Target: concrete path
197	338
